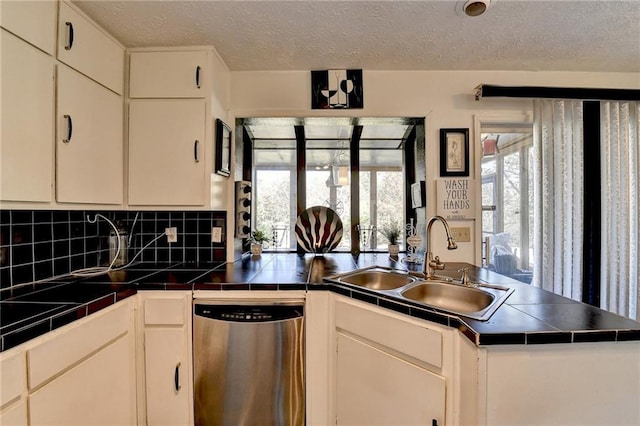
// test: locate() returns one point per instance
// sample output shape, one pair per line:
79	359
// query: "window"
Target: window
507	200
324	149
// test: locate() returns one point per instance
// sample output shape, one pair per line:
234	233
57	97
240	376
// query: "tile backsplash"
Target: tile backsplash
40	244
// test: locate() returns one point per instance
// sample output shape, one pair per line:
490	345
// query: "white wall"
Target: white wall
221	187
445	98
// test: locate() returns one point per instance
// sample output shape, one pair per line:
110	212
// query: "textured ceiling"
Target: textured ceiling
558	35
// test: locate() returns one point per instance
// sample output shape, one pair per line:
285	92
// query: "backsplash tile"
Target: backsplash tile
41	244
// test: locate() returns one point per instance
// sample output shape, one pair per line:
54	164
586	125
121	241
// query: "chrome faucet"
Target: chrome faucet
430	263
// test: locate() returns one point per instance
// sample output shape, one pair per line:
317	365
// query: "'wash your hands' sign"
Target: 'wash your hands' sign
455	198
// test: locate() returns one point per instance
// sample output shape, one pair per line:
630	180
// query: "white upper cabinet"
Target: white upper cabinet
89	142
27	128
85	47
175	74
32	21
167	152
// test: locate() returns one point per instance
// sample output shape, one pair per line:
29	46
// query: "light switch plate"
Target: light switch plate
461	235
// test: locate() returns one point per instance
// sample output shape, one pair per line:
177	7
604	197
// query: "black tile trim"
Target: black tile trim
394	306
430	315
235	286
594	336
368	298
341	290
264	287
469	333
292	286
551	337
628	335
502	339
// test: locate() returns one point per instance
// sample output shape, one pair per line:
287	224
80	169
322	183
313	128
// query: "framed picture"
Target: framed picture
223	148
418	192
454	152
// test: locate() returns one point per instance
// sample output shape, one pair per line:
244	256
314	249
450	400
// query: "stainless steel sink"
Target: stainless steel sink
451	297
377	279
478	301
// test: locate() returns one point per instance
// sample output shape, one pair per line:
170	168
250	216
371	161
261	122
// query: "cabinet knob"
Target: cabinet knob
69	128
195	151
69	44
198	76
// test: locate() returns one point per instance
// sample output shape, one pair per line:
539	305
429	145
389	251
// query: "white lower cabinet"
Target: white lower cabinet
13	386
80	374
560	384
390	369
96	392
15	415
375	387
168	373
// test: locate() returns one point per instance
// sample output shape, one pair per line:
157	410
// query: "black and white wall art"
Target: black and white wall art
336	89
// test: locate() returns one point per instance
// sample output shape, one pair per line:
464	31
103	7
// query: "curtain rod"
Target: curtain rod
488	90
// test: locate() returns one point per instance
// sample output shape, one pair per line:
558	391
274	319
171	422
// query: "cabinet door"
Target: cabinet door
376	388
32	21
85	47
26	141
168	74
98	391
166	152
15	415
89	142
167	384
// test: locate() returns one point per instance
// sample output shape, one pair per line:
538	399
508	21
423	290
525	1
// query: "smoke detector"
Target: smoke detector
476	7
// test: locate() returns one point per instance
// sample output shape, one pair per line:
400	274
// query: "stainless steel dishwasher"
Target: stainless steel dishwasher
248	363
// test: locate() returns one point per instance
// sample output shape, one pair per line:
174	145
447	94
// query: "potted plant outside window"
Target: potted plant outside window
392	232
258	238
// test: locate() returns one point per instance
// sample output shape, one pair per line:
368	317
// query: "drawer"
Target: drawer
406	337
65	347
13	380
164	311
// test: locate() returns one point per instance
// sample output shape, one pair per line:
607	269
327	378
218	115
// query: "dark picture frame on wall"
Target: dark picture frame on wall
454	152
223	148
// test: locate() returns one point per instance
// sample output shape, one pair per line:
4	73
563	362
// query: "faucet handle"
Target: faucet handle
464	280
436	264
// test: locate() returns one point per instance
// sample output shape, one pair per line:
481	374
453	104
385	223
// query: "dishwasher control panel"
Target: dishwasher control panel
249	313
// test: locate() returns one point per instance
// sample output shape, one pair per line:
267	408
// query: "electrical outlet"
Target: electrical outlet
461	235
216	234
172	234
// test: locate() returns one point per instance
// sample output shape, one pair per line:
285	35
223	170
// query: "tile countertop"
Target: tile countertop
529	316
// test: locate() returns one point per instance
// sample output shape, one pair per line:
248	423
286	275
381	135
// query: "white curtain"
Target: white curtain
620	160
558	196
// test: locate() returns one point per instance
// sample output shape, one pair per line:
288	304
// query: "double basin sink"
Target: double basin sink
477	301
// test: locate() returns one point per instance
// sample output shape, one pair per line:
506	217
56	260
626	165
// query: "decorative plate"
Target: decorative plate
318	229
